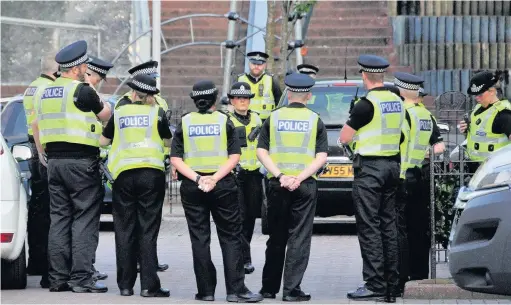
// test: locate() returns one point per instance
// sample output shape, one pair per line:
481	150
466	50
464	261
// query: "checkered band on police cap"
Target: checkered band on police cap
76	62
372	70
299	89
96	69
145	71
406	86
203	92
241	91
143	86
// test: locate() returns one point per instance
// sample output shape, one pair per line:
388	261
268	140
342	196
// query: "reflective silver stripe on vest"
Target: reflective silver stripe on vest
68	115
196	153
290	166
279	144
131	161
147	143
374	148
69	132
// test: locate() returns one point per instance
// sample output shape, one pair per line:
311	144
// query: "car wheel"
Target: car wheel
14	273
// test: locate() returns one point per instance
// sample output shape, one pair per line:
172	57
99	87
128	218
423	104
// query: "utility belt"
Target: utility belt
358	160
240	171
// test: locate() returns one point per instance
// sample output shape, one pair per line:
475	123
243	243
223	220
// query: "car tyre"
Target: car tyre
14	273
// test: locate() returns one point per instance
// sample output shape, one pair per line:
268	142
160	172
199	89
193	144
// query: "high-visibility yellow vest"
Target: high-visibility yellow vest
381	137
161	102
60	120
293	133
417	136
248	159
481	140
30	97
136	143
205	141
263	102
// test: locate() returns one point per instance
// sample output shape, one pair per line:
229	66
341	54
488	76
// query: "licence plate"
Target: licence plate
338	171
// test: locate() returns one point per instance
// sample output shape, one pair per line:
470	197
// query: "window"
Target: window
331	103
14	122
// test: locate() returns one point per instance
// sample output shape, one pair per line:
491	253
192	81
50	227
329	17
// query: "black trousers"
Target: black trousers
221	203
402	236
291	219
374	194
251	198
38	224
76	194
418	222
137	199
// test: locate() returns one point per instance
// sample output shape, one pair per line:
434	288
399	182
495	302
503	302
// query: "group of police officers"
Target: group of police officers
222	159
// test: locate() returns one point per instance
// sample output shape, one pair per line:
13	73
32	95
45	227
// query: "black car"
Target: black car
331	100
14	130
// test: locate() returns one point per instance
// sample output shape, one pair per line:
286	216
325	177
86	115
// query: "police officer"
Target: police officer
247	124
308	69
412	206
97	69
39	207
490	121
264	86
148	68
139	131
204	151
292	147
375	127
68	131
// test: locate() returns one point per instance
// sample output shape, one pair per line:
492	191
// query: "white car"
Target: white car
13	230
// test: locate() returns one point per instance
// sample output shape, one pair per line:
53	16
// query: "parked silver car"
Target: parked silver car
480	241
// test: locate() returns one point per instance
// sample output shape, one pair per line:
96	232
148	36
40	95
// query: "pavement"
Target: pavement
334	269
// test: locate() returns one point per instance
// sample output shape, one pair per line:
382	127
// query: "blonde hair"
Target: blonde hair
146	99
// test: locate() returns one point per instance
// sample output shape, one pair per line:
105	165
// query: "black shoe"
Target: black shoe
60	288
206	298
92	287
363	293
45	283
160	293
246	297
249	268
267	295
387	299
162	267
301	297
99	276
126	292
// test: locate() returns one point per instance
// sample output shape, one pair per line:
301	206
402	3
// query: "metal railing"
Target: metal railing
55	25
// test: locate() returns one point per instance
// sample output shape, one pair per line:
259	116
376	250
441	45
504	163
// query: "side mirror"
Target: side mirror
21	152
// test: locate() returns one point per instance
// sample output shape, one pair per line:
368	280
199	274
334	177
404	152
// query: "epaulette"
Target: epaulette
250	111
85	84
223	112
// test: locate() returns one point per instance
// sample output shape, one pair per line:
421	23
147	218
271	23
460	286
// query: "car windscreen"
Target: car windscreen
14	122
331	103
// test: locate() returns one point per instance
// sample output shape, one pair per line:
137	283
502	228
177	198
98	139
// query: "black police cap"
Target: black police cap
99	66
372	64
408	81
297	82
148	67
240	89
257	57
204	90
481	82
307	69
73	55
143	83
